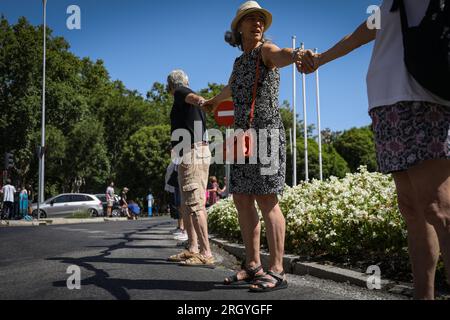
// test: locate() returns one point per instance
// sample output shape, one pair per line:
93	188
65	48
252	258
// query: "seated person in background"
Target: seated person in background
134	209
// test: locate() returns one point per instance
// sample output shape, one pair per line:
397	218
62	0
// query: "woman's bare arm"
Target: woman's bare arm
361	36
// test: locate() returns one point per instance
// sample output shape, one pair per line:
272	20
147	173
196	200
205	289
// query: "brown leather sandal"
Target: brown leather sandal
199	261
183	256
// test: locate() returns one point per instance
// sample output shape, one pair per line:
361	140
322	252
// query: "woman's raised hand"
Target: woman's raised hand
307	61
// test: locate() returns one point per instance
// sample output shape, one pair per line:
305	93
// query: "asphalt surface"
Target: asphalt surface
127	261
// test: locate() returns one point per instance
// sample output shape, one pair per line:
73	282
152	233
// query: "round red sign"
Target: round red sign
224	113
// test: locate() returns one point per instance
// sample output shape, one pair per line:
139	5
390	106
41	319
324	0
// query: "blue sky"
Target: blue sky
141	41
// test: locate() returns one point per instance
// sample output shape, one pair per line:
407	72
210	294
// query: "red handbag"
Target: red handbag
243	143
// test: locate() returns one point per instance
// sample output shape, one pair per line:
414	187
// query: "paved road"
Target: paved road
127	260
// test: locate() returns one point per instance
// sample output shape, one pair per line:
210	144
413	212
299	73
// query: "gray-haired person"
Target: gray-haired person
193	170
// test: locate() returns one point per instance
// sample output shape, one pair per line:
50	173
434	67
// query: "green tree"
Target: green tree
55	155
144	161
357	147
287	116
333	163
87	157
21	91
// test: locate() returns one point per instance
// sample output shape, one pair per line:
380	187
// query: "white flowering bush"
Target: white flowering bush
351	216
223	219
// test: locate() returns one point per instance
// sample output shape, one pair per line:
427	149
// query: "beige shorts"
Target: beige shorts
193	175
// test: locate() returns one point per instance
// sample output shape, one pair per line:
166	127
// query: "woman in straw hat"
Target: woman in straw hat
252	182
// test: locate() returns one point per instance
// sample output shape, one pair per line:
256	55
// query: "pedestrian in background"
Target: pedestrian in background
23	203
213	190
16	209
124	202
8	192
110	199
151	203
223	193
30	199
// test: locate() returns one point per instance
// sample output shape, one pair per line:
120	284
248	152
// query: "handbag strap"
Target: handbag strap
255	89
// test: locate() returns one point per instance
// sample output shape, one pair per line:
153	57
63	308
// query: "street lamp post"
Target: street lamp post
42	148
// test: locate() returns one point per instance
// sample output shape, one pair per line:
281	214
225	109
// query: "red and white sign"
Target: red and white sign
224	113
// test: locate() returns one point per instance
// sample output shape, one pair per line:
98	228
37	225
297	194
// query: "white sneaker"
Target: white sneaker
179	232
182	237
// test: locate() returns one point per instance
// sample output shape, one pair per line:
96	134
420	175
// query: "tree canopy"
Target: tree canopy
97	130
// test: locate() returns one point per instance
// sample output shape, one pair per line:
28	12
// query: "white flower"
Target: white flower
345	210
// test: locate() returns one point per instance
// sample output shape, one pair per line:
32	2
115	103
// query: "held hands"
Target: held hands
209	105
307	61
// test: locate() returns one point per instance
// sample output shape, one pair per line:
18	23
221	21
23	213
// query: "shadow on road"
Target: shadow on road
118	287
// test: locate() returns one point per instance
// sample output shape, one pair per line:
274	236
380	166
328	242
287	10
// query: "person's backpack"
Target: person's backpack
427	47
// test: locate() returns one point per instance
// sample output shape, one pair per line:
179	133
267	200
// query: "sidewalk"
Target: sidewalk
294	265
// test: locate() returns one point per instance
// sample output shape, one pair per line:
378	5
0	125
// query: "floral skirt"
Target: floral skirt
409	133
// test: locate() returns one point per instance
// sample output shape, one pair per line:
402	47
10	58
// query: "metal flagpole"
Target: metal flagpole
319	121
294	110
42	149
305	123
290	139
292	149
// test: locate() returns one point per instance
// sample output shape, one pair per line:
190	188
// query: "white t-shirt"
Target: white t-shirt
8	193
388	80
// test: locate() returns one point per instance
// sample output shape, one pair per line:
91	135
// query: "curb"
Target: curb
23	223
294	265
55	222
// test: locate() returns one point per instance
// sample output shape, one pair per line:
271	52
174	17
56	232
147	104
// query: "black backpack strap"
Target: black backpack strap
400	5
395	5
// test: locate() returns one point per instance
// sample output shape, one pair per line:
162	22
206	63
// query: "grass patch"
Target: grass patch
80	215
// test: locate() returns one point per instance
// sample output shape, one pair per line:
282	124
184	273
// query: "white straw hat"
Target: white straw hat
250	7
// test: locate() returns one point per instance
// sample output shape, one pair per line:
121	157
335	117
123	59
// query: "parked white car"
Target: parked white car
67	204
